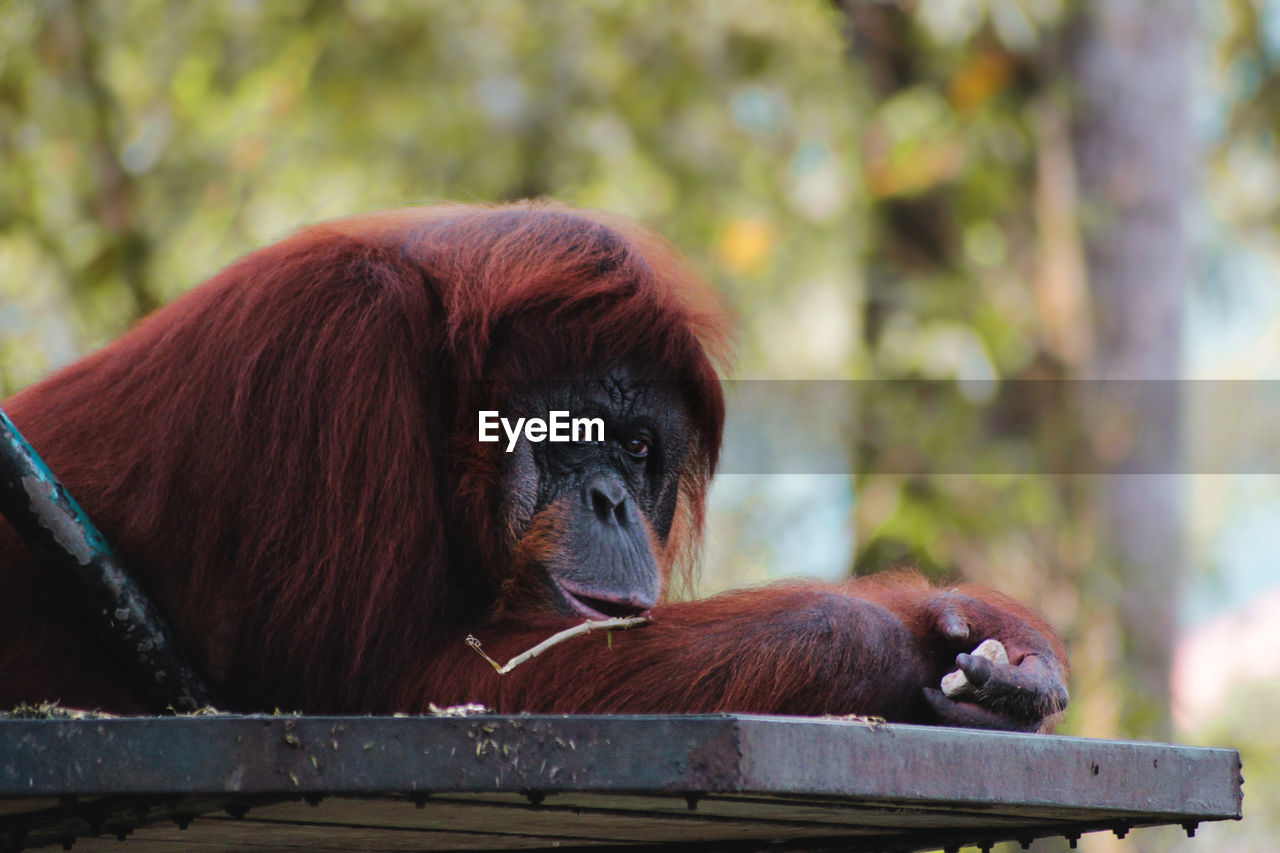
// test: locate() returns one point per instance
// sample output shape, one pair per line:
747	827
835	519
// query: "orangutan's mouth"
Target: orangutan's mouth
595	607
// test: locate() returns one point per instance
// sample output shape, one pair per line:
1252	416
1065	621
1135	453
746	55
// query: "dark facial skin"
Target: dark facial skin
596	510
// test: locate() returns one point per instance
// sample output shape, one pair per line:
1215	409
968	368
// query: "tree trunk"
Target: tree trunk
1133	146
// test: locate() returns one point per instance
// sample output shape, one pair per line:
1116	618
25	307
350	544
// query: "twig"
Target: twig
619	624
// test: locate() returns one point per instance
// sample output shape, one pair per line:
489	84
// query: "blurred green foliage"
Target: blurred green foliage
147	143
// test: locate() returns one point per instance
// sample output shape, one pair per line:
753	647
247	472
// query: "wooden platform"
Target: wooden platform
537	782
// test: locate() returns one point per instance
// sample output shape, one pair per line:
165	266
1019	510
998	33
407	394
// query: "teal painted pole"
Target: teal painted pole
68	543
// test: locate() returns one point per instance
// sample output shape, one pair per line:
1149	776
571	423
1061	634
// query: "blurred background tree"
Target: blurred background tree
991	191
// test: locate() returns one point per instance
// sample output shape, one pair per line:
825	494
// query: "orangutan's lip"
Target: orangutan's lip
596	608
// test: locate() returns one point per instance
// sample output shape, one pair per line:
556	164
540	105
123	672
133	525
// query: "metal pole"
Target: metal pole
61	534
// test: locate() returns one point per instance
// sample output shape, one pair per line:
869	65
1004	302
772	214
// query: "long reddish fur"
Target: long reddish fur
796	647
286	456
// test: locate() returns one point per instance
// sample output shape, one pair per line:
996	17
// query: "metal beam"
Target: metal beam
68	543
524	782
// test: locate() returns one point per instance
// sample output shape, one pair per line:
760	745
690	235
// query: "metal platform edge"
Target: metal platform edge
683	754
